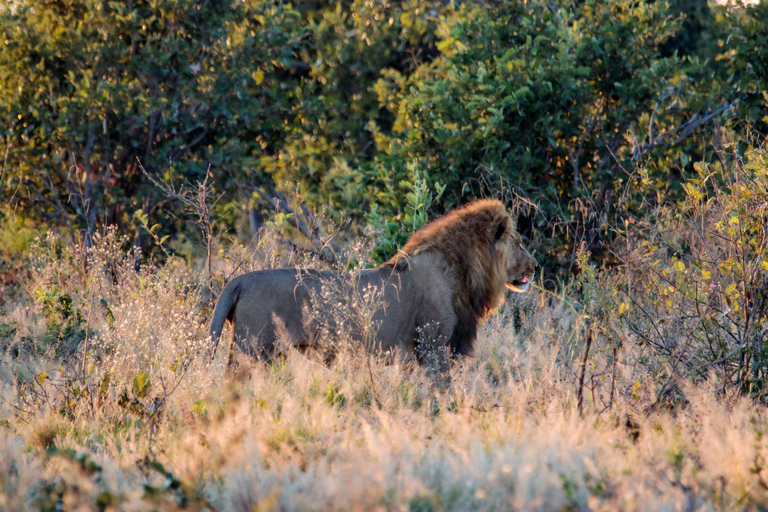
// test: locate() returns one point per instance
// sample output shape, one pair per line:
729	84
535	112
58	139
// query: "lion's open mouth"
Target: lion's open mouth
520	285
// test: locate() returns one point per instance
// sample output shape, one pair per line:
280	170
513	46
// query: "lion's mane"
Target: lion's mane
464	236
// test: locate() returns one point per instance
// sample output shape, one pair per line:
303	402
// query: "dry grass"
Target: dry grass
361	435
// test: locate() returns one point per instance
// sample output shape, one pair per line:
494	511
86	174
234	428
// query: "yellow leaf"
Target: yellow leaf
706	274
764	265
258	76
727	264
445	44
679	266
731	288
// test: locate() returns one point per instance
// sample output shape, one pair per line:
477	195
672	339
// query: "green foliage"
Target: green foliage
87	88
334	397
143	220
63	321
421	504
748	61
7	332
523	92
392	233
55	493
16	235
141	385
554	102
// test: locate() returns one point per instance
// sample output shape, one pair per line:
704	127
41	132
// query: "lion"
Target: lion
446	279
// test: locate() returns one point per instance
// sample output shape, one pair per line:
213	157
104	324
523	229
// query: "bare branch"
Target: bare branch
274	200
685	129
650	123
197	203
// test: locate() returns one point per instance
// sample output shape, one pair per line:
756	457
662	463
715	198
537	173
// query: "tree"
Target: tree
90	88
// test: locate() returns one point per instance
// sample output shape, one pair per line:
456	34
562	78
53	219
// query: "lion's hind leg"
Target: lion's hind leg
286	339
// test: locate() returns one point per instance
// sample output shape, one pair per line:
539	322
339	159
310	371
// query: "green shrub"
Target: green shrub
63	321
390	233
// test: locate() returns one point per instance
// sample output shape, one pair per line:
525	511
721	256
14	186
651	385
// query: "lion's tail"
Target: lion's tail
224	310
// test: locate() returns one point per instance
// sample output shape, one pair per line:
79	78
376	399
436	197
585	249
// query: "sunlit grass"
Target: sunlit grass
169	431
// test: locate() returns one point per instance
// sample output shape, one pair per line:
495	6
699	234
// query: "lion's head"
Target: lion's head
520	264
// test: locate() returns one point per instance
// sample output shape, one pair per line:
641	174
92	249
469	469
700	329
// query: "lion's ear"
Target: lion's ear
500	230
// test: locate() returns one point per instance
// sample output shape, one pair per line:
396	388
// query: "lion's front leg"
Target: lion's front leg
433	349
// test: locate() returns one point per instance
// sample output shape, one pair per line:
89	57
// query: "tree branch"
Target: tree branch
686	129
275	201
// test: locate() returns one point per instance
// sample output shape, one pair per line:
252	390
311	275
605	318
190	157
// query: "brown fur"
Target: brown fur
449	275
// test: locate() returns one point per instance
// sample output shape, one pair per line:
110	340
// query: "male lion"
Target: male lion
449	275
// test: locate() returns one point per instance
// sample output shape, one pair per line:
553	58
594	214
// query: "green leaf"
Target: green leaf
140	216
200	407
524	91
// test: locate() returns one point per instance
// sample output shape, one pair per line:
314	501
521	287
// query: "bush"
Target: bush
698	293
110	336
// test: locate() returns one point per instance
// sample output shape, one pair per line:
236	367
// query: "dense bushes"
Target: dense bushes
552	102
90	88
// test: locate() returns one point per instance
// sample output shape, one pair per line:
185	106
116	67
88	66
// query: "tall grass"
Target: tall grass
106	404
